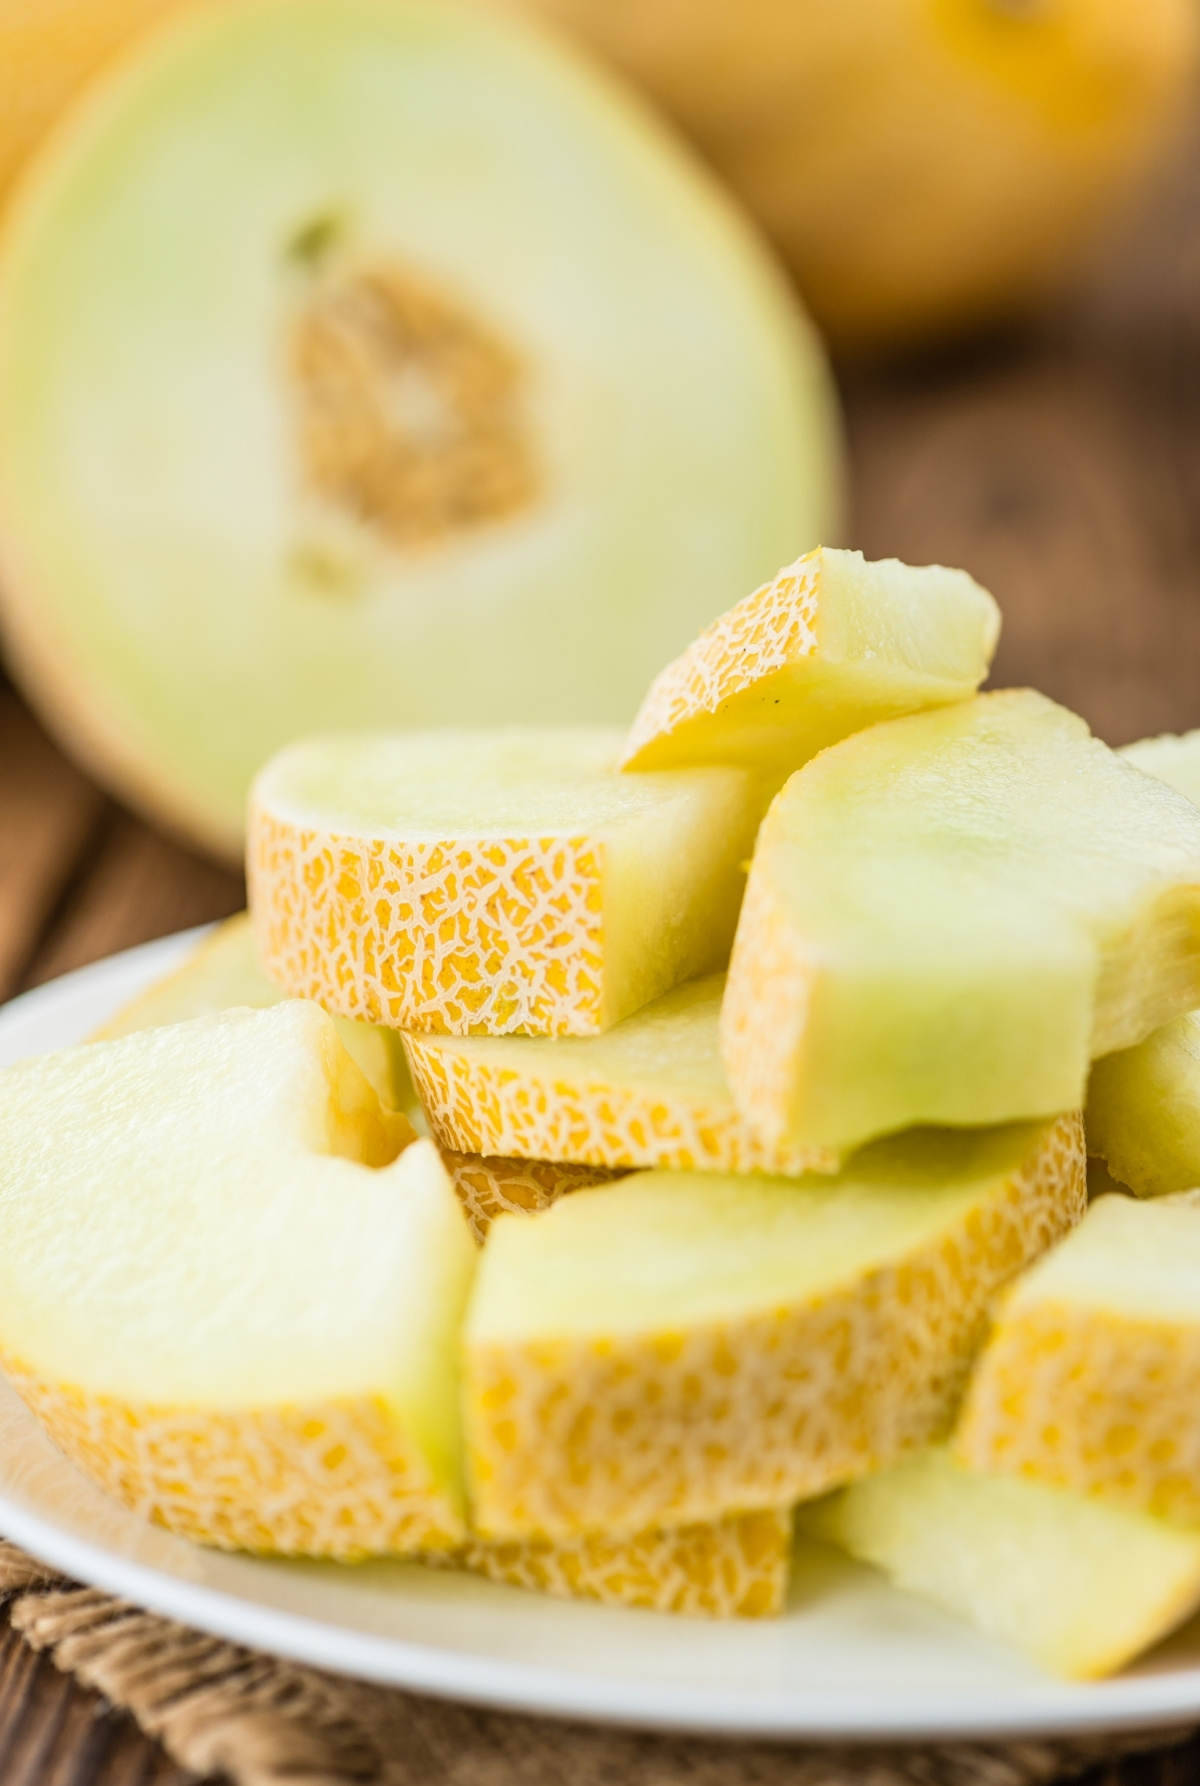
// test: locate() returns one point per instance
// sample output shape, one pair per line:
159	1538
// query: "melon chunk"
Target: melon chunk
1143	1111
1091	1378
484	403
1080	1586
948	916
491	882
650	1092
223	971
833	644
269	1357
488	1187
1173	758
726	1568
678	1346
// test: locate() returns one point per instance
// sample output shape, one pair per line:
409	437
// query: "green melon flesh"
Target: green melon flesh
953	914
222	972
1081	1586
1173	758
179	598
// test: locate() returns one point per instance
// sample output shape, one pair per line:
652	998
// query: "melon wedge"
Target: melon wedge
1173	758
223	971
1091	1378
491	882
679	1346
488	1187
1080	1586
727	1568
650	1092
832	644
487	400
269	1358
948	916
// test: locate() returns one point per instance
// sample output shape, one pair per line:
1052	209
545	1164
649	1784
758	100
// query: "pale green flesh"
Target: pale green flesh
1130	1260
152	516
1143	1110
1172	758
984	897
665	1251
1082	1587
891	638
180	1227
224	972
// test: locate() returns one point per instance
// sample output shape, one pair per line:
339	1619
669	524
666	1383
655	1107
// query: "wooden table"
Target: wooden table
1062	468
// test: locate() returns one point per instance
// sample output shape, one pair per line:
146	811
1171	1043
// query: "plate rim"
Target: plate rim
1137	1702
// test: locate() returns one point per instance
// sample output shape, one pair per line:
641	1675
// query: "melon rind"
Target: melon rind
488	1187
678	1346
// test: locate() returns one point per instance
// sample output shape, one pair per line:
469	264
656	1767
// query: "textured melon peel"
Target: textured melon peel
269	1359
337	551
491	882
832	644
1080	1586
488	1187
650	1092
947	916
675	1346
223	971
1088	1381
1172	757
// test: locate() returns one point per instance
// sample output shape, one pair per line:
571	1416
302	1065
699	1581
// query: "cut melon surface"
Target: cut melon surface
650	1092
1082	1587
725	1568
678	1346
488	1187
269	1358
832	644
948	916
425	439
491	882
1090	1380
223	971
1143	1111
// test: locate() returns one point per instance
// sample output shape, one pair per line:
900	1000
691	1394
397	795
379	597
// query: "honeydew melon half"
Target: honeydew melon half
373	361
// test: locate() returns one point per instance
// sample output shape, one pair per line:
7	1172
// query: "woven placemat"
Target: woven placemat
220	1709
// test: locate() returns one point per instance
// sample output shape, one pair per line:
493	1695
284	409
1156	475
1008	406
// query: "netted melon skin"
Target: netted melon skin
488	1187
472	1107
724	1569
332	1480
624	1433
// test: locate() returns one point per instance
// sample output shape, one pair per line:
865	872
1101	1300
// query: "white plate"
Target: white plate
851	1659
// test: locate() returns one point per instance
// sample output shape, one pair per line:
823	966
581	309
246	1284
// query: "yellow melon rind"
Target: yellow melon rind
488	1187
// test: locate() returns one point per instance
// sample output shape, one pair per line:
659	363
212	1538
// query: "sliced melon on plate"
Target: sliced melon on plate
832	644
678	1346
1080	1586
490	882
374	362
1091	1378
725	1568
224	971
948	916
650	1092
268	1359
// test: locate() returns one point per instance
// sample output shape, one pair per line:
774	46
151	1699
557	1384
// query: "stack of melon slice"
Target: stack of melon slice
745	1192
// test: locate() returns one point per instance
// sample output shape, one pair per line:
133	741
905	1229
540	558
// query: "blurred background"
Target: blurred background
386	361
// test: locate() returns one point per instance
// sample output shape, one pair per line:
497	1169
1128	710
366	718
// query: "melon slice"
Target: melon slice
832	644
1091	1379
223	971
651	1092
678	1346
490	882
726	1568
269	1358
948	916
488	1187
1080	1586
1173	758
1143	1111
424	439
